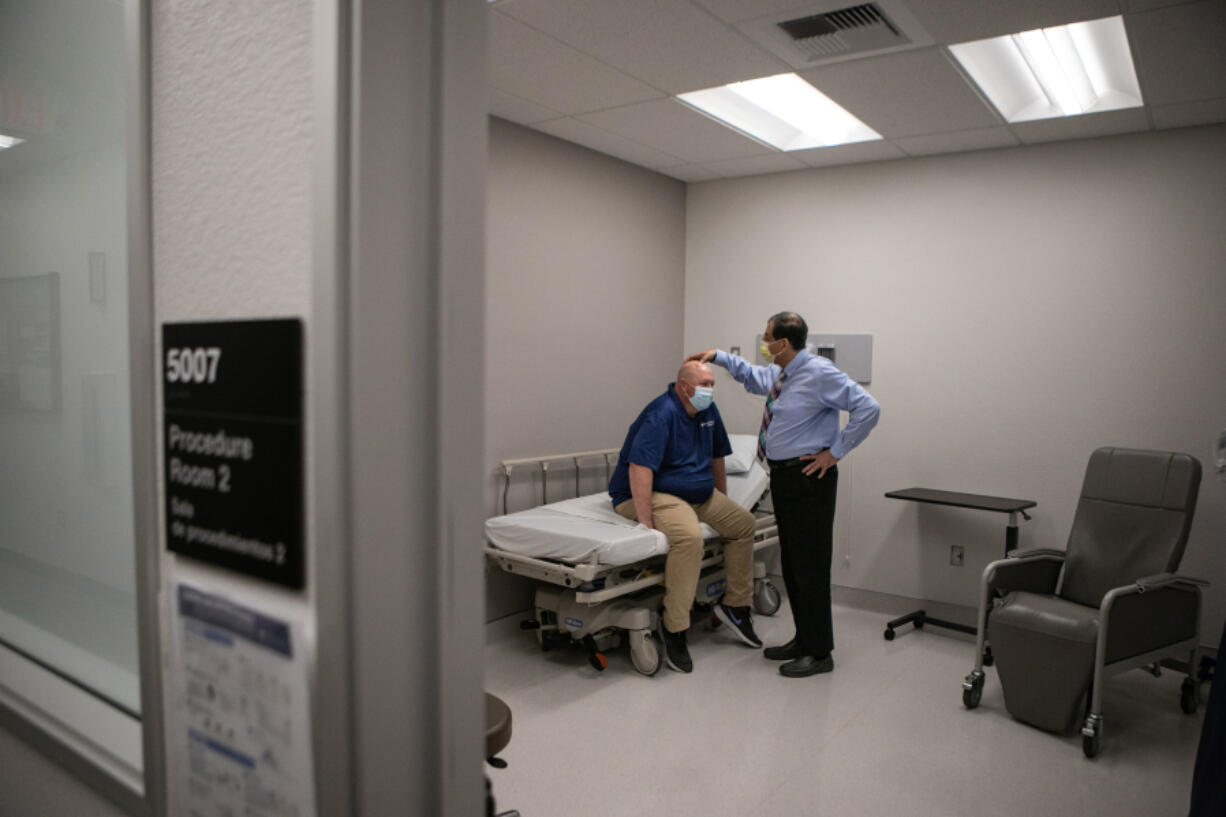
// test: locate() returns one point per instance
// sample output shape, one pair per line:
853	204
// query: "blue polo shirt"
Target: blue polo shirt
676	446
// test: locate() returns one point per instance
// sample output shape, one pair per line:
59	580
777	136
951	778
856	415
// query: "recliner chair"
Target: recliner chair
1056	623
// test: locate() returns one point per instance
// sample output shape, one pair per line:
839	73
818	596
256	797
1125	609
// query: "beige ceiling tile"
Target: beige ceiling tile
678	130
738	11
958	21
907	93
1148	5
958	141
537	68
758	165
1108	123
874	151
1180	52
1188	114
670	44
691	173
516	109
590	136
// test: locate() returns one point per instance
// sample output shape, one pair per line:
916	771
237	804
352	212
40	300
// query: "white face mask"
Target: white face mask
703	397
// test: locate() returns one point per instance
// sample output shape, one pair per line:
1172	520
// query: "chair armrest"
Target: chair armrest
1157	580
1036	570
1151	613
1038	553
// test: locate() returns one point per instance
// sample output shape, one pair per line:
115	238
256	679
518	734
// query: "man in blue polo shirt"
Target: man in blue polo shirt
670	476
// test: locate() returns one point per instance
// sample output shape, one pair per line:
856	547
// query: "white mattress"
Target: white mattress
587	529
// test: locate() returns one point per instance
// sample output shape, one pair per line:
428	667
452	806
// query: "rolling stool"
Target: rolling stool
497	736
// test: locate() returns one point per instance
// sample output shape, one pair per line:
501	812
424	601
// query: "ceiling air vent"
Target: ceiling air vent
831	32
846	31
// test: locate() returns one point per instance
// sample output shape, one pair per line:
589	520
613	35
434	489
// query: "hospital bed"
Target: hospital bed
602	575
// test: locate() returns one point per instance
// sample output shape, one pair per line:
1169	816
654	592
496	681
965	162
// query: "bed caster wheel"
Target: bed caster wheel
972	689
1091	736
888	635
544	624
1189	696
595	657
644	653
766	598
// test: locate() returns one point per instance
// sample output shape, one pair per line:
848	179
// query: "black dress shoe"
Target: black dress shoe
784	652
807	665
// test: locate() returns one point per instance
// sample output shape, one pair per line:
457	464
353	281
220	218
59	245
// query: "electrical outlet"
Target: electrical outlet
846	562
955	555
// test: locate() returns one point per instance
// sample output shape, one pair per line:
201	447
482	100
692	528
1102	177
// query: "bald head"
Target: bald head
696	374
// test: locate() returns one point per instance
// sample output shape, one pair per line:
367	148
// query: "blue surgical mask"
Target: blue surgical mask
703	395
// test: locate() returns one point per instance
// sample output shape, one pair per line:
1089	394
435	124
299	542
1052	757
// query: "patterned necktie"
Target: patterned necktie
767	413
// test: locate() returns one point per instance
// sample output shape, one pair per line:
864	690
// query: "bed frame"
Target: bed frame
592	603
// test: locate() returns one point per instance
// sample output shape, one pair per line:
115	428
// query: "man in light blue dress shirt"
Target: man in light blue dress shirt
802	443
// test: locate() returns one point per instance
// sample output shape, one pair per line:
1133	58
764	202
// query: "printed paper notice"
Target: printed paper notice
242	737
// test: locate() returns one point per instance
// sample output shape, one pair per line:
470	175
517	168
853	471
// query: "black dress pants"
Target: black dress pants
804	512
1208	782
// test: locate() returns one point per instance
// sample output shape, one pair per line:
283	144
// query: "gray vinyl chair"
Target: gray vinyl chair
1057	622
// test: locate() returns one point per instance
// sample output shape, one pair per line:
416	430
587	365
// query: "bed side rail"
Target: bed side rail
594	583
575	458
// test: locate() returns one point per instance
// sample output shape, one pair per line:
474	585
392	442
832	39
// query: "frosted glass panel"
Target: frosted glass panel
67	565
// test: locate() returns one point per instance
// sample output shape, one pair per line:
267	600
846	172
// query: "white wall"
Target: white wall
1027	306
584	306
232	214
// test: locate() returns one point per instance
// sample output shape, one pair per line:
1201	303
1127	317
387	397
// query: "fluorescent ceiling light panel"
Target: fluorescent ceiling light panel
9	141
783	111
1060	71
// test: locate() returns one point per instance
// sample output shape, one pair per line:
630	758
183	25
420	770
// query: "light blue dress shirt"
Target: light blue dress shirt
805	417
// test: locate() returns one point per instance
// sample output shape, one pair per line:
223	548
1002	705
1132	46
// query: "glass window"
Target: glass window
67	553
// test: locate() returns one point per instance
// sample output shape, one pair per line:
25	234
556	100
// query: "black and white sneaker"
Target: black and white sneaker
676	653
738	620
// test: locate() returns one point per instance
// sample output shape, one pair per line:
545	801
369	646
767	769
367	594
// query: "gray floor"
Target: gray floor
885	734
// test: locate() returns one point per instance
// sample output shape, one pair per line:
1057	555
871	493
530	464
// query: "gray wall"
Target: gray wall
232	234
35	787
1027	306
68	503
584	305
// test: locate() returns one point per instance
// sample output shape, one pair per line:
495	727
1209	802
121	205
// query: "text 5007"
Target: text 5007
197	365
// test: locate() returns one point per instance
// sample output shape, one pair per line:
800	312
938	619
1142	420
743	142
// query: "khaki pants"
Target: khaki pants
679	521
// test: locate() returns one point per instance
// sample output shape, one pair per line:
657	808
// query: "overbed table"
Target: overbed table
957	499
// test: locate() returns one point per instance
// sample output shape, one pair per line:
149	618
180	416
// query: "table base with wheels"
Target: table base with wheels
956	499
919	618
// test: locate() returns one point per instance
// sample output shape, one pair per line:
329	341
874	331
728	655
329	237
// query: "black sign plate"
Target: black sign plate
232	444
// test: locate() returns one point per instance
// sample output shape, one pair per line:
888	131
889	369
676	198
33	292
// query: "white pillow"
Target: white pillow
744	453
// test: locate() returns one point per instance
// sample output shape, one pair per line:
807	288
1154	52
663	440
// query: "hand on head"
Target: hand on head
701	357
